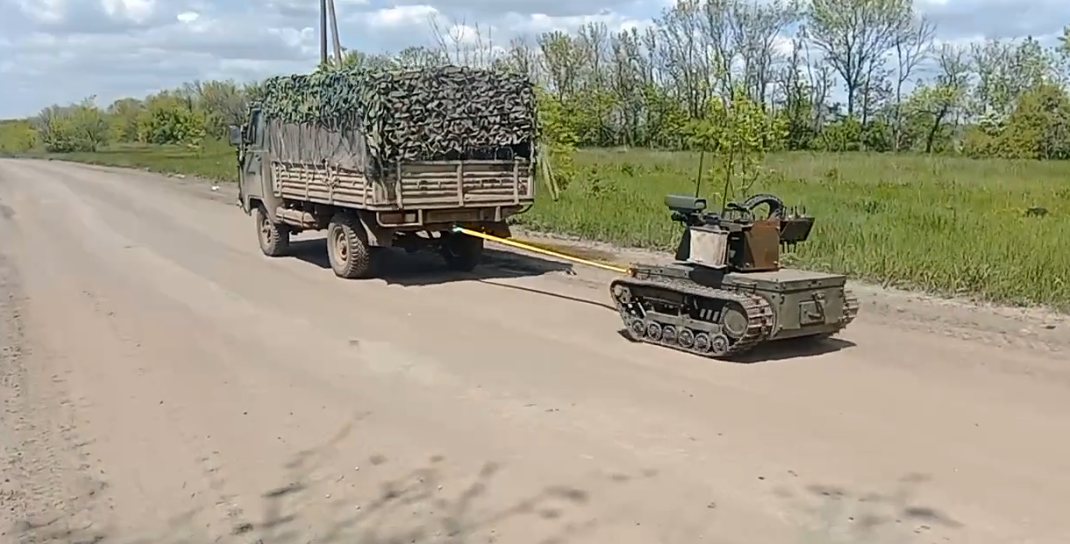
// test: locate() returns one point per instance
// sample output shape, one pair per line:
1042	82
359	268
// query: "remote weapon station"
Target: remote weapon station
726	293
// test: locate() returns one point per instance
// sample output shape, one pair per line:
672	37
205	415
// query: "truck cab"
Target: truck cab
248	141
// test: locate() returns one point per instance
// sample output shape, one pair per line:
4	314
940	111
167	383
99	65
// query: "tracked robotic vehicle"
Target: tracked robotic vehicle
727	292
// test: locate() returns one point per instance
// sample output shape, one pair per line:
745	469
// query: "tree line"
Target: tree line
827	75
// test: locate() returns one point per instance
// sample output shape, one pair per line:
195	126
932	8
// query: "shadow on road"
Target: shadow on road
779	350
794	348
836	514
419	506
396	267
558	296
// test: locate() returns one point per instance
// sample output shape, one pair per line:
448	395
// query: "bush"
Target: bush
76	128
17	137
168	119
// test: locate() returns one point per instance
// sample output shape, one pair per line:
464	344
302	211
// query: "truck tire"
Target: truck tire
461	252
347	247
274	238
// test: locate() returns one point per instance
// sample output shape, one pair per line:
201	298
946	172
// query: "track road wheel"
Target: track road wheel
686	338
274	237
702	342
636	328
653	331
347	247
719	345
669	334
462	252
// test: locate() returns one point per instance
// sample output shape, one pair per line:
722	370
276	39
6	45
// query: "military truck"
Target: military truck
388	158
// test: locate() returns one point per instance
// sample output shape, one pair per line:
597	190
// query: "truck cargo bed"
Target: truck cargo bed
425	185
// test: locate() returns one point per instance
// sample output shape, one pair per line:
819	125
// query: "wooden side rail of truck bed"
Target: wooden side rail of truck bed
413	185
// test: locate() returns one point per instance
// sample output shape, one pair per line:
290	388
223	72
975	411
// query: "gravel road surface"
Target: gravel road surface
163	382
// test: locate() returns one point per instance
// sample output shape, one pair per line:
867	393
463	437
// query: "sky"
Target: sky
61	51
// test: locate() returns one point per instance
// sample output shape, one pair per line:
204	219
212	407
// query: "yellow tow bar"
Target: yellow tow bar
534	249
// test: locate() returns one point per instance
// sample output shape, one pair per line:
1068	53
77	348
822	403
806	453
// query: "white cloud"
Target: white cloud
542	22
115	48
188	17
996	18
135	10
42	11
396	16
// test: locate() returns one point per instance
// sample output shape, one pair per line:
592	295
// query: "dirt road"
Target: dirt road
164	382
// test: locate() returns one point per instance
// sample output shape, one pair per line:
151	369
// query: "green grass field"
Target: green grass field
946	225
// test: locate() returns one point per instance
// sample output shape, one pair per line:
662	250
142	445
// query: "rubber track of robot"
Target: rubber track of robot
850	308
850	312
759	313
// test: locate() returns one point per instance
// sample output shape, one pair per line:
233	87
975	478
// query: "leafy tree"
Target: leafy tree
168	118
1039	127
123	117
223	103
739	133
855	35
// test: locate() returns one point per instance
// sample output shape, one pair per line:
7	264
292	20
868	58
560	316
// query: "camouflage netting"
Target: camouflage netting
360	118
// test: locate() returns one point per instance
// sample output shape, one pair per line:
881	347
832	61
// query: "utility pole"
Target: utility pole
323	31
334	29
327	12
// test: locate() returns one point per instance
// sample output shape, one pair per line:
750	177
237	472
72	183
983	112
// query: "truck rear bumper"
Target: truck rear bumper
444	219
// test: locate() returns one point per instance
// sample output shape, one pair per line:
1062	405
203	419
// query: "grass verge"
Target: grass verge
215	161
947	225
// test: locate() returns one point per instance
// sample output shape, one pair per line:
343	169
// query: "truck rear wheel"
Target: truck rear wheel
461	252
274	238
347	247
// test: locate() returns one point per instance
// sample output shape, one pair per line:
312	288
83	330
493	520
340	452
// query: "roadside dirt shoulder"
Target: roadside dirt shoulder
48	490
